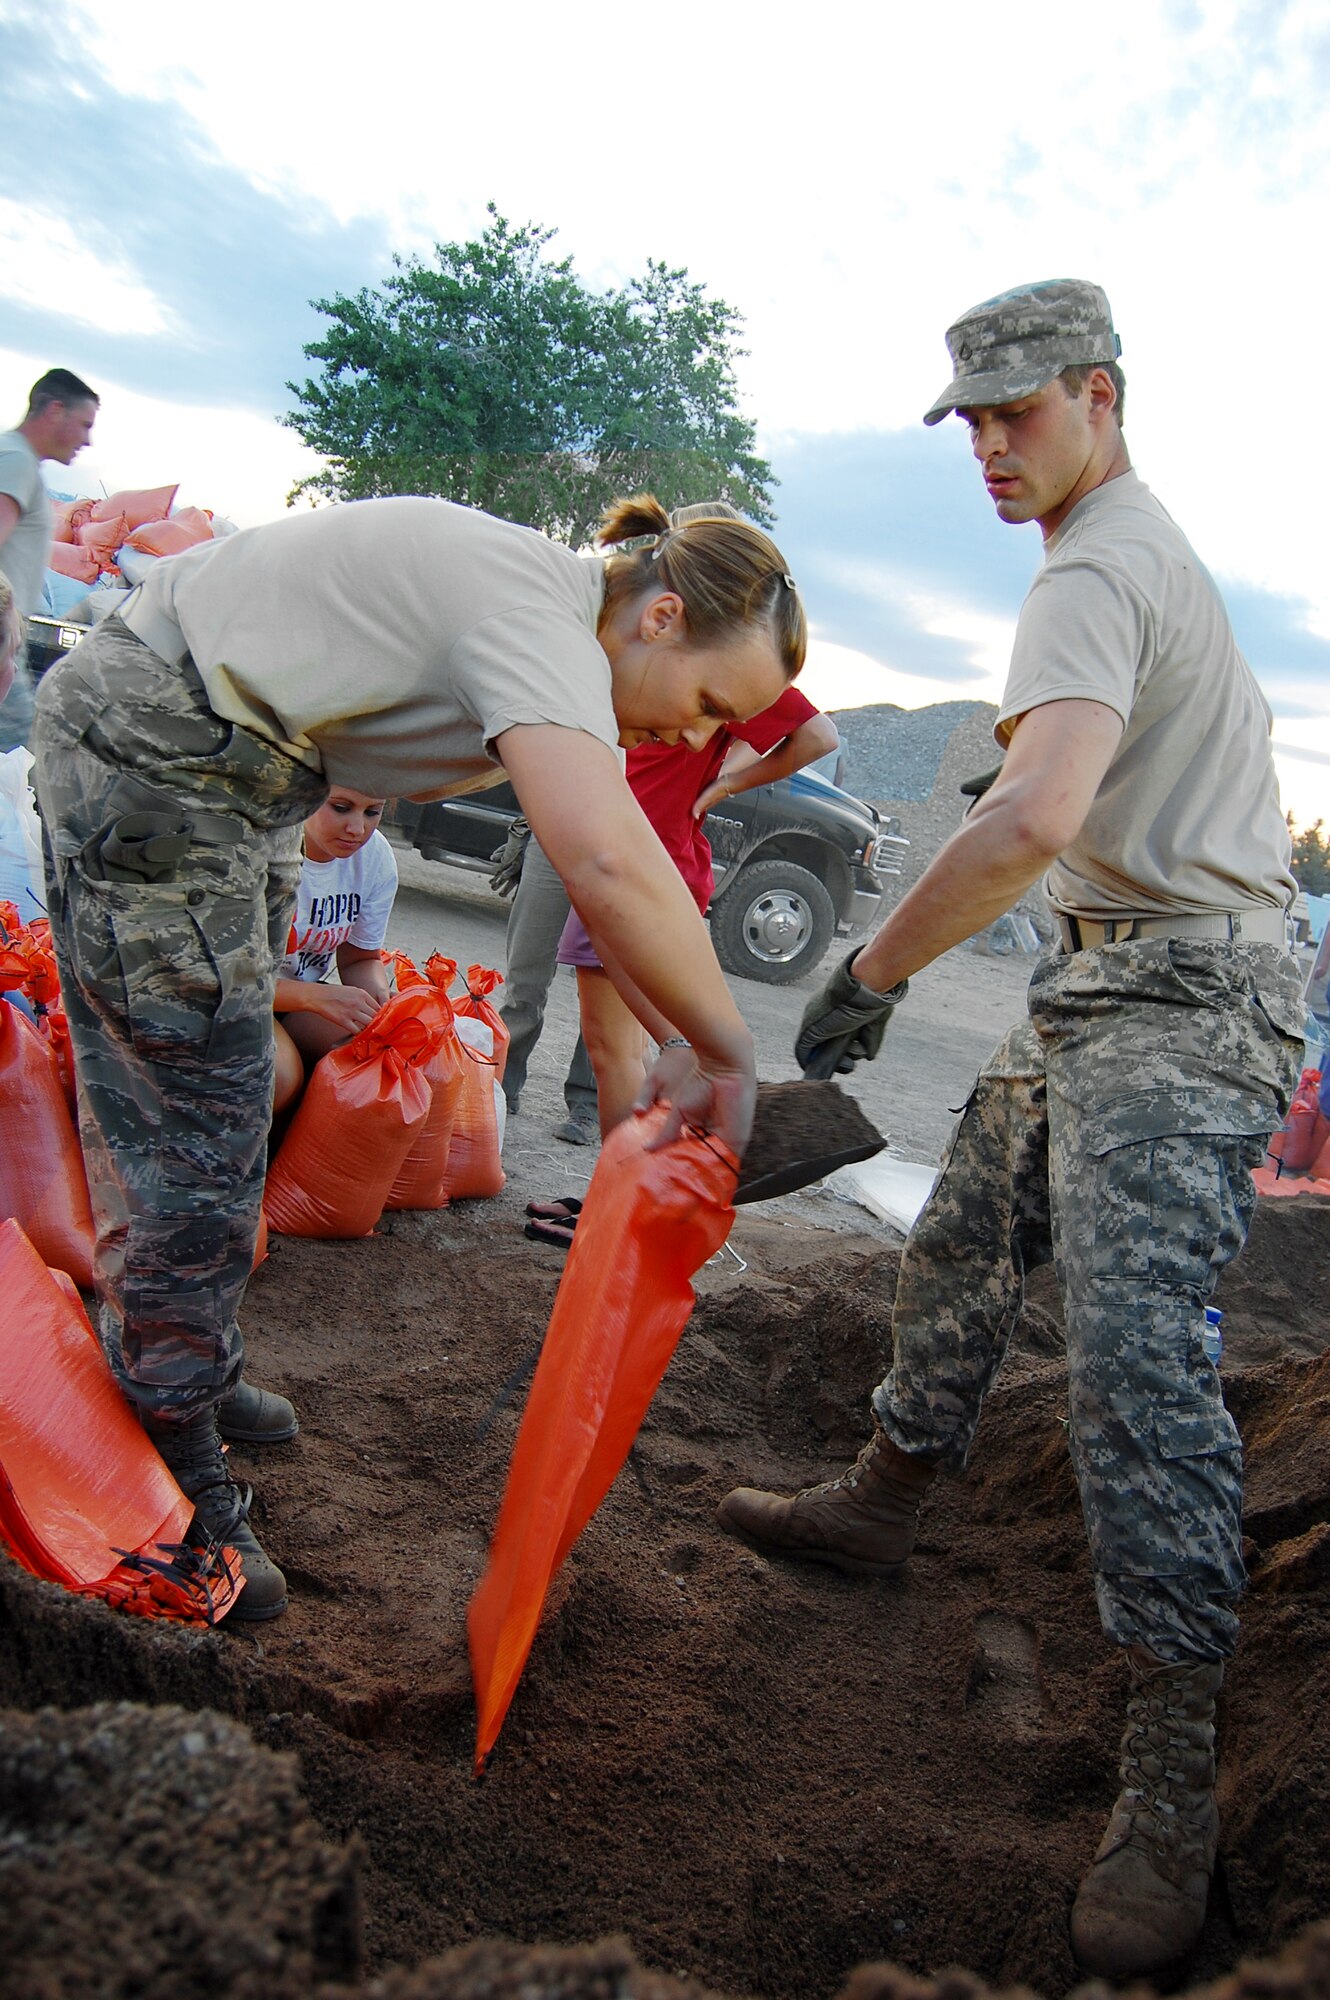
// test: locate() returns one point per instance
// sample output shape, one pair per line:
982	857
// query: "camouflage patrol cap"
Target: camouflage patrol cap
1018	342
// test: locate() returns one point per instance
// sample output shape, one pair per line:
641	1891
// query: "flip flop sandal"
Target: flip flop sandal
566	1208
558	1233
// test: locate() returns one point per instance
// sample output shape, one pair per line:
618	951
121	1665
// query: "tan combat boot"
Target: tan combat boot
864	1522
1142	1902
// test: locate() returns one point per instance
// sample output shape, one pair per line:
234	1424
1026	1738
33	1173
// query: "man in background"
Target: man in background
61	412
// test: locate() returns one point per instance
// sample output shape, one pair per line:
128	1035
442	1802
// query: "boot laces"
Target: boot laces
1153	1770
846	1481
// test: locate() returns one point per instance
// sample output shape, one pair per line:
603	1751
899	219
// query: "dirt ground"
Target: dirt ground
720	1775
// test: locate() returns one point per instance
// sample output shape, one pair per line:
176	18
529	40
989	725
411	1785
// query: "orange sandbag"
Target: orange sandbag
140	504
260	1242
167	538
1268	1181
421	1181
1304	1130
70	560
102	537
355	1124
476	1005
62	527
650	1220
42	1180
474	1171
85	1501
196	519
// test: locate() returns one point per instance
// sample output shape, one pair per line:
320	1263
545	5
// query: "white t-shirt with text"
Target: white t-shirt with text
346	901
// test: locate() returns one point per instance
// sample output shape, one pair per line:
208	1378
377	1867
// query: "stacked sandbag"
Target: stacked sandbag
119	539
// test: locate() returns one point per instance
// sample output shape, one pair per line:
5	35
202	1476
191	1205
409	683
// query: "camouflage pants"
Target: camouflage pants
1114	1134
173	857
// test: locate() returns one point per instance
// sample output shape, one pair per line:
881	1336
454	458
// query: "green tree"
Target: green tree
1311	858
495	377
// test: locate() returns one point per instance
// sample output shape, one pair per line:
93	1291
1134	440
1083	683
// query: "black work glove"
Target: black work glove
508	859
844	1023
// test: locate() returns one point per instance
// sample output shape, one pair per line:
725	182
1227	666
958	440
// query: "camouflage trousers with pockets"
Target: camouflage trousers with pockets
1113	1133
172	860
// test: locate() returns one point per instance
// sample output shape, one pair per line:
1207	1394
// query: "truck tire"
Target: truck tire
773	923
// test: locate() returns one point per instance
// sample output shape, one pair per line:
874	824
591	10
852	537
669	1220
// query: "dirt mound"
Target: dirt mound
759	1775
152	1852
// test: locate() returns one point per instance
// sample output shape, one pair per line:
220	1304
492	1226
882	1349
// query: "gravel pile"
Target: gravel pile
910	762
896	753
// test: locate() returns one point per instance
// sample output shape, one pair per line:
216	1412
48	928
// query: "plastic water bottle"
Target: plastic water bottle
1212	1340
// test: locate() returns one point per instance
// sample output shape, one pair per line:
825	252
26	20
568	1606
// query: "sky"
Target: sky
177	186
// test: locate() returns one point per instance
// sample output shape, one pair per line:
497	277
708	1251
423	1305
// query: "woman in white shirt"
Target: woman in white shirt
347	884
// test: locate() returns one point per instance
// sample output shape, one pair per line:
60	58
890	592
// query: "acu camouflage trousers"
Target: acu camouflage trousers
173	858
1113	1133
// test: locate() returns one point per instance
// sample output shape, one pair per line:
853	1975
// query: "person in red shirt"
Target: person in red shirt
676	787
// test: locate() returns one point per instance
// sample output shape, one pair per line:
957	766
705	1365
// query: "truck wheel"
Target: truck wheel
773	923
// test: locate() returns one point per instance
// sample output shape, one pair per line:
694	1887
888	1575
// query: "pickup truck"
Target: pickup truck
796	864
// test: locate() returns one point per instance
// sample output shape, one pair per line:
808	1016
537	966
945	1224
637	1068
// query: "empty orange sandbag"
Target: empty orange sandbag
421	1180
650	1220
474	1171
139	504
355	1124
70	560
85	1500
167	538
476	1005
42	1180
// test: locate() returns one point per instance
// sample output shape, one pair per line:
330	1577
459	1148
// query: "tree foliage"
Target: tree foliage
493	376
1311	857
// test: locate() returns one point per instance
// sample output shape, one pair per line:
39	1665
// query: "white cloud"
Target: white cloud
47	265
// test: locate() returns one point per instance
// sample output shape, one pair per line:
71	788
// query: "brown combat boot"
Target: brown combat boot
193	1452
864	1522
1142	1902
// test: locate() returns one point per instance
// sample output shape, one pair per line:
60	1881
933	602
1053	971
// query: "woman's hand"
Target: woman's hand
703	1094
712	795
349	1008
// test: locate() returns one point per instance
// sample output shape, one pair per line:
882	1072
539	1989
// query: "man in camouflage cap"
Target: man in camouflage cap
1114	1131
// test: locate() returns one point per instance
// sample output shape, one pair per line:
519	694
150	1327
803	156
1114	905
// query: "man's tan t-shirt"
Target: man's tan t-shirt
24	555
1187	817
387	642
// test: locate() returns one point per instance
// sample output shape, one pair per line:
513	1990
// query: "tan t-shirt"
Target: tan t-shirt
387	642
1187	817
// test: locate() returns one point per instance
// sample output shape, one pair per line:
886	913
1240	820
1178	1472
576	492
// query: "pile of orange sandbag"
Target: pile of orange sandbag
43	1186
84	1499
91	536
405	1115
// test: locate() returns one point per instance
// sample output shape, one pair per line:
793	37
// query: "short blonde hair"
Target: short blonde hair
728	574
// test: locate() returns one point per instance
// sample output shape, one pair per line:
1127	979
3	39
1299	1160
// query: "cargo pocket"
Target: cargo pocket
146	961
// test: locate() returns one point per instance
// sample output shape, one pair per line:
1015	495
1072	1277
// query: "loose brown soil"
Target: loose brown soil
758	1775
802	1132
